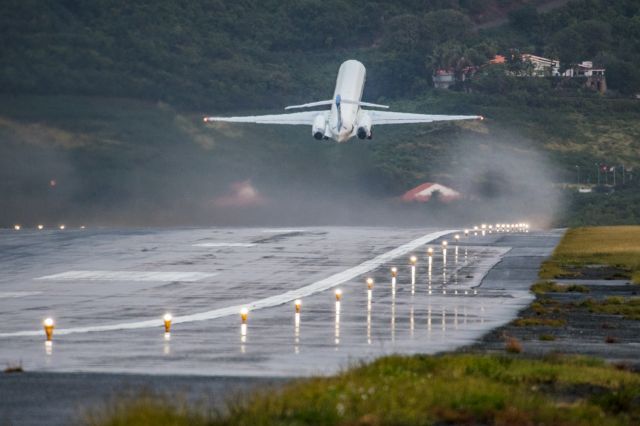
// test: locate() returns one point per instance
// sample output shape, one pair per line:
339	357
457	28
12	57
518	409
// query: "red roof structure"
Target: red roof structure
424	192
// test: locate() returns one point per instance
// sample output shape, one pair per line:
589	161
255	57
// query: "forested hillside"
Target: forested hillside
107	97
241	54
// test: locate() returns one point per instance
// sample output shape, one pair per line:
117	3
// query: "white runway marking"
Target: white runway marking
282	231
318	286
127	276
13	294
224	245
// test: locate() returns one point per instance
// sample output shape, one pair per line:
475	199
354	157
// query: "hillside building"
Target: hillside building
594	76
423	193
542	67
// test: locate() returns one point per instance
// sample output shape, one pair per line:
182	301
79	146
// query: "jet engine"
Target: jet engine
364	126
319	127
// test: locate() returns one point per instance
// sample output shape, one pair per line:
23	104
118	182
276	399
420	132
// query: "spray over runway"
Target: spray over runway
265	275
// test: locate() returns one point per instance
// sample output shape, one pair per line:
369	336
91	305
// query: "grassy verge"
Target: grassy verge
616	247
542	287
628	307
469	389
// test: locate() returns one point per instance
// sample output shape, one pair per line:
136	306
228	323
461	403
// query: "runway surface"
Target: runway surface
108	289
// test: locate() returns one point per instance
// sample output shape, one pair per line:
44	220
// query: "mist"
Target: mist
258	176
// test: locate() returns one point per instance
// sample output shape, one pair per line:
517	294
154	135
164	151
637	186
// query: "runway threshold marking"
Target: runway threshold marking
158	276
15	294
268	302
224	245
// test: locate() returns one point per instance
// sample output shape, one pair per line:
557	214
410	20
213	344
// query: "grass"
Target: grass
547	337
420	390
613	246
539	322
628	307
542	287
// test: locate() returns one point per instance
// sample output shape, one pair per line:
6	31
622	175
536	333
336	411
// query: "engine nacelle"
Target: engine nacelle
364	126
319	126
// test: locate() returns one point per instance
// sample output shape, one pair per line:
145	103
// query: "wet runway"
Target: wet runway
108	289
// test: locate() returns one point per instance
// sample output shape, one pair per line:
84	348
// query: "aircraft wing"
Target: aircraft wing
389	117
305	118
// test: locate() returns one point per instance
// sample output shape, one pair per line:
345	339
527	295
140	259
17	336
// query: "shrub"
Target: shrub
513	345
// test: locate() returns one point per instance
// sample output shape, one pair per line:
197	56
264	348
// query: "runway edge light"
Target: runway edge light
370	283
48	328
298	305
338	293
167	322
244	314
394	272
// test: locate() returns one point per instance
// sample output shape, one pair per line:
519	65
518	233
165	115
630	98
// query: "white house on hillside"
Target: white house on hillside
542	67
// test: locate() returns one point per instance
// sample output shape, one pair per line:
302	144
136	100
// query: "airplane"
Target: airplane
346	118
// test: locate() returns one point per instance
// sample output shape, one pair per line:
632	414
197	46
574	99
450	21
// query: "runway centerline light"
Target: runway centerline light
244	314
167	322
48	328
298	305
338	294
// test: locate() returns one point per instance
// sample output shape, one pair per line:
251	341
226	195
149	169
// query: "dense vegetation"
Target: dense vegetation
204	54
216	53
65	66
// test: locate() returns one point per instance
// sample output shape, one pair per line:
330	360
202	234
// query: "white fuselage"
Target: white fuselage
349	86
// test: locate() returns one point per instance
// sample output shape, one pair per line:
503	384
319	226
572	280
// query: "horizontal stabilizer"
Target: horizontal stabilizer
332	101
311	104
365	104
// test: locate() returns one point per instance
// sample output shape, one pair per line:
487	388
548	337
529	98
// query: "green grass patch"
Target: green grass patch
628	307
542	287
535	322
547	337
420	390
611	246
